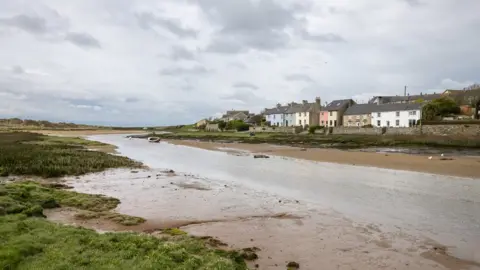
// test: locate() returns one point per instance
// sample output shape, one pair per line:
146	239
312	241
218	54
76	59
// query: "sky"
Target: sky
146	62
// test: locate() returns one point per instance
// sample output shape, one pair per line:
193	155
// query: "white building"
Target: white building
396	115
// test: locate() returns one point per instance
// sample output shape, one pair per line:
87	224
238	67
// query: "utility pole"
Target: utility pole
405	91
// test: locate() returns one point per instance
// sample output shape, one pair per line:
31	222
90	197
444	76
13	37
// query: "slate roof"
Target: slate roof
276	110
300	108
337	104
358	109
398	99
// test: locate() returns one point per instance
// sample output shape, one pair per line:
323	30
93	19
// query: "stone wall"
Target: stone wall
357	130
437	130
448	130
212	127
270	129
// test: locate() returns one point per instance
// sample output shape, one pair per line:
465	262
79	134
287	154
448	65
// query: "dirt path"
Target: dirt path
454	166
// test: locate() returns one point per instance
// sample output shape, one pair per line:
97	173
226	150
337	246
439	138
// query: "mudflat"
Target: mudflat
453	166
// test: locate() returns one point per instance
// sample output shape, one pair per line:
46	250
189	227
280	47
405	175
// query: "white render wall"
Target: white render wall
275	119
304	117
392	117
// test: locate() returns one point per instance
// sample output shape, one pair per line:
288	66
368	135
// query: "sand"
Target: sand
453	166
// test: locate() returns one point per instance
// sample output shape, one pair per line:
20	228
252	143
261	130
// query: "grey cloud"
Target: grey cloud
245	85
413	2
82	40
238	65
148	19
131	100
329	37
184	71
179	52
18	70
298	77
245	24
244	96
31	24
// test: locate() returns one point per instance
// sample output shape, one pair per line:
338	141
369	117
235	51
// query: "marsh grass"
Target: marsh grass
34	243
331	141
34	154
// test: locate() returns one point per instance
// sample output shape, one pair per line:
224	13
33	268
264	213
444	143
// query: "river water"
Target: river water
443	208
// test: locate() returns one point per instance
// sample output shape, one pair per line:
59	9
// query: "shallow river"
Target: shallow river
443	208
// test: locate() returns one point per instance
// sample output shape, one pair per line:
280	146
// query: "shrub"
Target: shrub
242	127
312	129
368	126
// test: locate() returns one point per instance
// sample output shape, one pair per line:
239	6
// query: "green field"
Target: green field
328	141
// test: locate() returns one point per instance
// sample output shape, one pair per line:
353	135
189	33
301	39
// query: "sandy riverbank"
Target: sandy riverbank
283	229
454	166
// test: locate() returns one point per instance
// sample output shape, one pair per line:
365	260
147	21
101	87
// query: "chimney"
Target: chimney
305	101
279	105
379	100
318	101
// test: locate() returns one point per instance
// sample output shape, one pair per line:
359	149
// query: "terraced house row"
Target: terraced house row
380	111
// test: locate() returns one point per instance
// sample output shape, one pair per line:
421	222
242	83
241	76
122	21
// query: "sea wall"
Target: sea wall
273	129
437	130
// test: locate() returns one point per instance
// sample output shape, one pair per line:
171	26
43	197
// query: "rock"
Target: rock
134	171
168	171
293	265
149	176
261	156
303	149
297	201
225	185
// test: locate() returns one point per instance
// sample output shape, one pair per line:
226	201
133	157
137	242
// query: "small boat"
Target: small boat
153	139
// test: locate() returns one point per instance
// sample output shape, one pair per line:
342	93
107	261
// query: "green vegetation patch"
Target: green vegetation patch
34	243
124	220
34	154
25	197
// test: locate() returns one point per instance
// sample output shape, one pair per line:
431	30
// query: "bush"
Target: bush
242	127
312	129
222	125
368	126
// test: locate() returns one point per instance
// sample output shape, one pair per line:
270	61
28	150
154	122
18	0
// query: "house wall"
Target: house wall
357	120
323	118
390	118
333	119
275	119
303	118
290	119
314	119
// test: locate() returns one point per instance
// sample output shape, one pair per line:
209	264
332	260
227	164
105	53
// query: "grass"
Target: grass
34	154
331	141
34	243
30	199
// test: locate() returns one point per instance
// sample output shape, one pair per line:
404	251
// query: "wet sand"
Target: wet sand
454	166
284	229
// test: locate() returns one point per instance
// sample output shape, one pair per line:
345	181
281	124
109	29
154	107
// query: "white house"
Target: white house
396	115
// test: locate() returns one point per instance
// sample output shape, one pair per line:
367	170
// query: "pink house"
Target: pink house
323	118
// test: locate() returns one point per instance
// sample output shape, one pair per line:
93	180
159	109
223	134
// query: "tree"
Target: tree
440	107
257	119
222	125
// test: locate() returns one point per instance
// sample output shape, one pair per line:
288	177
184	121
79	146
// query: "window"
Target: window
412	122
378	123
321	123
412	113
334	123
300	122
397	123
331	113
330	123
379	114
398	114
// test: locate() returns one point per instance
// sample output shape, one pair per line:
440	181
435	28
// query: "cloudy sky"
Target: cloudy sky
145	62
